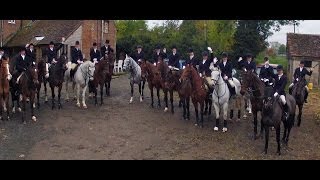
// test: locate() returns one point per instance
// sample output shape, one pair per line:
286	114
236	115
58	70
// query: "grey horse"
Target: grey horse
135	75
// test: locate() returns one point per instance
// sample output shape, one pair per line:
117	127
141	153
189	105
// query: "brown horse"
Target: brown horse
42	71
110	59
99	78
28	86
56	78
153	76
198	91
172	84
5	76
252	85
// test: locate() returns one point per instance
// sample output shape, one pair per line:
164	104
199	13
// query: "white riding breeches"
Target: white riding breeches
291	85
231	83
283	99
73	65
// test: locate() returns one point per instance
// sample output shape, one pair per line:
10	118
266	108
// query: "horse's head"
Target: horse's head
268	98
33	71
215	75
127	63
63	61
298	90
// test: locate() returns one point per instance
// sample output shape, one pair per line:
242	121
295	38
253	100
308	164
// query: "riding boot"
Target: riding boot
306	97
286	111
290	90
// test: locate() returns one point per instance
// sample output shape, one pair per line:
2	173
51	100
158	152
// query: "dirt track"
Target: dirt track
119	130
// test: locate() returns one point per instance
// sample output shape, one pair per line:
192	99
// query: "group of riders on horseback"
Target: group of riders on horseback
277	81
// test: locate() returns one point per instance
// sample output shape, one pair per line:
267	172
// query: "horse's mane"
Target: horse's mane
257	83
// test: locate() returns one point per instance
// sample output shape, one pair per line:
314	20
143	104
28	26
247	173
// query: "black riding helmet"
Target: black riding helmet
279	67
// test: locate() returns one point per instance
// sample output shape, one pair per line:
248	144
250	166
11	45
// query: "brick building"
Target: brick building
64	33
304	47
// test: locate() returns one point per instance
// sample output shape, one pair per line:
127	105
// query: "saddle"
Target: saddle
73	71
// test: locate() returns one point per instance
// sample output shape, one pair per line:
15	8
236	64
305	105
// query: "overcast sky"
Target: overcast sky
305	27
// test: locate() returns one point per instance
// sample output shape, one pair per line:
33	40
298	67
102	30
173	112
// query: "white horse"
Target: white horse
221	96
82	76
135	75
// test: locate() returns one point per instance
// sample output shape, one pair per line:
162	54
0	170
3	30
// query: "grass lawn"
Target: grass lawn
273	60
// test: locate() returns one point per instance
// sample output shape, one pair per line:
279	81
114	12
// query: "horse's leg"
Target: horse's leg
12	101
67	92
95	91
207	105
266	139
109	84
140	92
217	110
165	98
299	115
101	94
255	124
143	83
210	105
188	108
225	116
201	111
73	86
33	117
59	96
285	127
158	95
290	124
106	86
24	110
278	138
38	95
1	106
53	97
151	93
78	95
171	101
195	104
131	85
7	105
45	90
84	96
183	101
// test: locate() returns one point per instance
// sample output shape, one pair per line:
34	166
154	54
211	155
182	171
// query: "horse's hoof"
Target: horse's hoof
215	128
165	109
34	105
85	106
59	107
24	122
8	118
1	118
19	109
34	118
279	153
238	120
224	129
245	116
196	124
78	104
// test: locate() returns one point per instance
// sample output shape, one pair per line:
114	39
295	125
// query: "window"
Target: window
106	27
307	63
12	21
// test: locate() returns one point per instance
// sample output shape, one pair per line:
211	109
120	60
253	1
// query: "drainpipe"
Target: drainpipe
1	33
102	40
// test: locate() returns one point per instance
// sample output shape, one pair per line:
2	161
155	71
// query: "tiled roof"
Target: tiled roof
303	45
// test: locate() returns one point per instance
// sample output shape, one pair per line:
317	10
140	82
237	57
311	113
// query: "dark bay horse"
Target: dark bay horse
153	76
172	84
5	76
28	87
99	78
254	87
56	78
272	115
42	72
299	92
110	59
198	91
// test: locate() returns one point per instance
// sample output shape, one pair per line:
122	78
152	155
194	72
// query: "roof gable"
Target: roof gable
307	45
52	30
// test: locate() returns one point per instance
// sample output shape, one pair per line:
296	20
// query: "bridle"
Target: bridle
86	75
216	86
